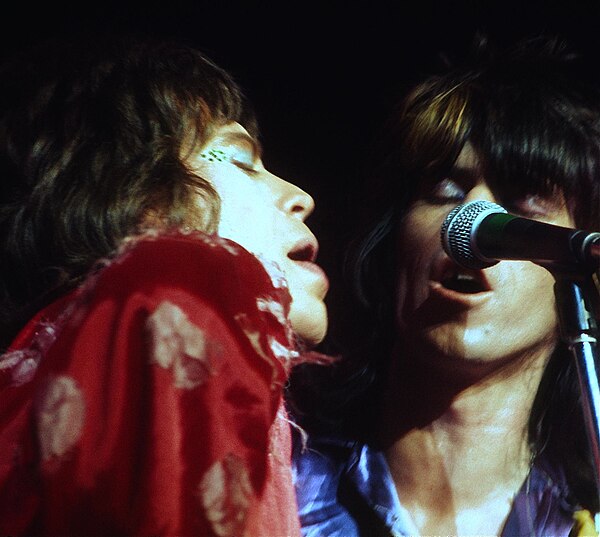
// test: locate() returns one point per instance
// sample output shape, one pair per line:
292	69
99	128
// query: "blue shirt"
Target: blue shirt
345	489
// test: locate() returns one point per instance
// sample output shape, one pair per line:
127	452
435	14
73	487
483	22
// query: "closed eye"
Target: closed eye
536	206
237	148
445	191
244	166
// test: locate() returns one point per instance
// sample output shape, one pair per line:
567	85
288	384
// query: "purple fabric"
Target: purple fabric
540	507
340	484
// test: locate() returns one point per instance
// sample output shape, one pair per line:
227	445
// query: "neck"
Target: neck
466	443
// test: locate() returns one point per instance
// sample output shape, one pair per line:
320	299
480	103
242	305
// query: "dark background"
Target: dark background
322	76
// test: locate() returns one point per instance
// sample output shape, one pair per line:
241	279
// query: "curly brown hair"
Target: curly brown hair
93	135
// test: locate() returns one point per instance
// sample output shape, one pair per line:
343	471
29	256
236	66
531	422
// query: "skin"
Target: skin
460	455
266	215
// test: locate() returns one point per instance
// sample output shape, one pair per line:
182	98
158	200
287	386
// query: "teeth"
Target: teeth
462	282
459	276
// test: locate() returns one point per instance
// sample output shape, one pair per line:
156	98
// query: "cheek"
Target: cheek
417	245
419	231
531	288
247	223
230	219
530	277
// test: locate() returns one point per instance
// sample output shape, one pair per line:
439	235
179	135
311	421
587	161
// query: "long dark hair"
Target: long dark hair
94	134
533	118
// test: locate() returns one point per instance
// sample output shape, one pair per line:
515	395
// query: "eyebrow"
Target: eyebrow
242	138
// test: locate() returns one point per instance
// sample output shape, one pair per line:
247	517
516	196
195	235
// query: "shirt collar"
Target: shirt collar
540	507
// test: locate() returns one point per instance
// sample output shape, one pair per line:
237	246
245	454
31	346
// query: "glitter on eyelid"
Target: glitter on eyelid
213	154
230	154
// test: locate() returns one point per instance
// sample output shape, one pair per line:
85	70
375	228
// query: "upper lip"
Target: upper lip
447	269
306	249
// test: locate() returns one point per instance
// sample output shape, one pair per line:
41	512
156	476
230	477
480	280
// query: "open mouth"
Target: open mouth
464	283
304	254
459	279
304	251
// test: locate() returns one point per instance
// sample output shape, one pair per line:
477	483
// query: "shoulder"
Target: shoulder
166	366
203	276
320	461
197	267
164	283
545	504
338	484
196	260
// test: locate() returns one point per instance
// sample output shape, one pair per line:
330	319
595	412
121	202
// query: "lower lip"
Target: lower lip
469	299
315	269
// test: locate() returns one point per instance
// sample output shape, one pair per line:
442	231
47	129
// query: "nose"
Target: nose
295	201
480	191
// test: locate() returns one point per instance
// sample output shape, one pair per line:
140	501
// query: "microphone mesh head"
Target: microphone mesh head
458	233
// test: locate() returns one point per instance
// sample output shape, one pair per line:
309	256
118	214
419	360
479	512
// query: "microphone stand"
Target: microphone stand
577	297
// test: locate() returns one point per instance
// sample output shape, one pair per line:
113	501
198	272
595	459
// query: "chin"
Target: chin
310	324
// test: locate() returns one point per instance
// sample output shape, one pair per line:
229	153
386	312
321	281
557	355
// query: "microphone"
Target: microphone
480	233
